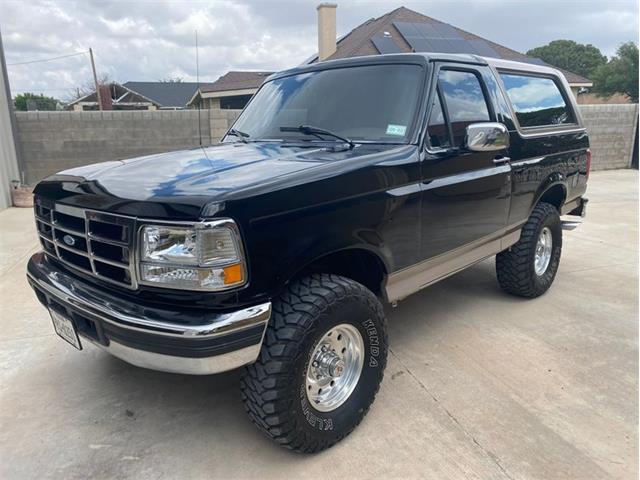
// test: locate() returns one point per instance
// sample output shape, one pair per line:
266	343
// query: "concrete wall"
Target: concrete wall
221	120
612	130
54	141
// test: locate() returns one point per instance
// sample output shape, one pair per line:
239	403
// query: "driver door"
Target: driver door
466	194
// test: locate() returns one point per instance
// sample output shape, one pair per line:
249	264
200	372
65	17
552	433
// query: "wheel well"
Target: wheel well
555	196
360	265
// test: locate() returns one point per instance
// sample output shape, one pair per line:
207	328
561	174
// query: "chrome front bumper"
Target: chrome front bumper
178	341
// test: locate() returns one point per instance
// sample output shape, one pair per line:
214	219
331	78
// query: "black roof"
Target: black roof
166	94
417	58
421	58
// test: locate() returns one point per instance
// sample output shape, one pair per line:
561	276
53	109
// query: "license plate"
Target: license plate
64	328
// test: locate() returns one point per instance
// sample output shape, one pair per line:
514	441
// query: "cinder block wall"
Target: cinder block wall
53	141
612	130
221	120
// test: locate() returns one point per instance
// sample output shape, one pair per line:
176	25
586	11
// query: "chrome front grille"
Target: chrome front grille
96	243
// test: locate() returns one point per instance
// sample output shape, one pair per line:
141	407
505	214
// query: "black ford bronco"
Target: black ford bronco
342	185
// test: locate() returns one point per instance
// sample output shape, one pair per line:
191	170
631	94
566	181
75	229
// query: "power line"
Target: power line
34	89
47	59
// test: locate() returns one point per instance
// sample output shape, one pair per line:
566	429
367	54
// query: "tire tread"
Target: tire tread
513	266
266	384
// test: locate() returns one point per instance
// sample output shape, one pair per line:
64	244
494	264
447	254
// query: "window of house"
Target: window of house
236	102
465	101
537	101
437	129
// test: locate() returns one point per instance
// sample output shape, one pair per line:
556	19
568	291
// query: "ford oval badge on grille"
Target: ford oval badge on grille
69	240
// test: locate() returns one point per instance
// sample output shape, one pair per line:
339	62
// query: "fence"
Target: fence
612	134
54	141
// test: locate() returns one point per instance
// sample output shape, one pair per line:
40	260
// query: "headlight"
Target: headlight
207	256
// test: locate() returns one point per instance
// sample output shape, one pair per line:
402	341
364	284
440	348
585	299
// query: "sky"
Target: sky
154	40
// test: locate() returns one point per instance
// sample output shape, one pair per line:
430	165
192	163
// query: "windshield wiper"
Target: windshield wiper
316	131
242	136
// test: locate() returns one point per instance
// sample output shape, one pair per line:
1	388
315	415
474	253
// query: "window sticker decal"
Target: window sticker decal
398	130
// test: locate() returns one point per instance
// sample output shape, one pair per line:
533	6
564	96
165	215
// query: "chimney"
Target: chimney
105	96
326	30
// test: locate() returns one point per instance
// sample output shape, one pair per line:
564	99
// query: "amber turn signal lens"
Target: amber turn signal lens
233	274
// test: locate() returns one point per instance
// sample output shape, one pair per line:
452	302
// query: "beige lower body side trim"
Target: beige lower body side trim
409	280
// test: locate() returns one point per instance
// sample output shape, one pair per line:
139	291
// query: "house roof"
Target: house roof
235	80
160	94
119	94
165	94
386	32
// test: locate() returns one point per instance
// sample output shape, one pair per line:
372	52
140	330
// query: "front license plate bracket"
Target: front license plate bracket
65	328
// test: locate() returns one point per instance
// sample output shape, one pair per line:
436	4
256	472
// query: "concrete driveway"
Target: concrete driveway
479	384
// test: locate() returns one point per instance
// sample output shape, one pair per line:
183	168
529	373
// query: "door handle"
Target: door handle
501	159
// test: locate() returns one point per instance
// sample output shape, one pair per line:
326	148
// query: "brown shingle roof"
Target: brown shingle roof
236	81
358	41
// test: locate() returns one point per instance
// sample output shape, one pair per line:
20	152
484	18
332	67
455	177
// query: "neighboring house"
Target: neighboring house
403	30
168	95
400	31
138	96
231	91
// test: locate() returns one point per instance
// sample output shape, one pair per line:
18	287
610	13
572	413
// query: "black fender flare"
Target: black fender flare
303	262
554	180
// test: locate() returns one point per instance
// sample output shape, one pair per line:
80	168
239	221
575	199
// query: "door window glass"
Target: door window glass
437	129
465	101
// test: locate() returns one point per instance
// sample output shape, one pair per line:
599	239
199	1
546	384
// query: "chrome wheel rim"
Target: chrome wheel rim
334	367
543	251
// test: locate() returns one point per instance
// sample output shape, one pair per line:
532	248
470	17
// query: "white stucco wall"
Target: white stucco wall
8	160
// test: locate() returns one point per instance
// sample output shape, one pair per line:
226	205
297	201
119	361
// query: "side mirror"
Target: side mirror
486	137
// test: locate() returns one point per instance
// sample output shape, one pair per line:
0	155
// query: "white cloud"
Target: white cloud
150	40
531	96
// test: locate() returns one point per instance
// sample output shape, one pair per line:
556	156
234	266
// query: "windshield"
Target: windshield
370	103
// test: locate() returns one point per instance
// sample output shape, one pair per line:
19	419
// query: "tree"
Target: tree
575	57
619	75
23	101
171	80
87	88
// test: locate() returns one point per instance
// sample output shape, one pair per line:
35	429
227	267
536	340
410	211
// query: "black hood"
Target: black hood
180	184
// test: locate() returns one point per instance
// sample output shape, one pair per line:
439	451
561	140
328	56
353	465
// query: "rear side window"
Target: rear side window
537	101
464	99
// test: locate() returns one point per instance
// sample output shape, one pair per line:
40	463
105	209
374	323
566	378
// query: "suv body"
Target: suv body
475	156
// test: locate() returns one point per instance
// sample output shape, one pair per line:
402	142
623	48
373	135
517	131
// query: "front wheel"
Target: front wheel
321	363
528	268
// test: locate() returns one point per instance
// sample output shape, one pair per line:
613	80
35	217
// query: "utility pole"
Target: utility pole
198	86
95	79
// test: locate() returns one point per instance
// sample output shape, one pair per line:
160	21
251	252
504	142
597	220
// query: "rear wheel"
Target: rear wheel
529	267
321	363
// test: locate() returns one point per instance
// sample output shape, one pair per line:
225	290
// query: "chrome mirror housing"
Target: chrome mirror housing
486	137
